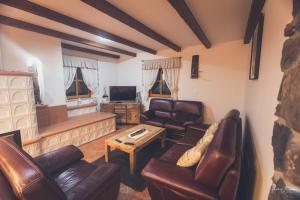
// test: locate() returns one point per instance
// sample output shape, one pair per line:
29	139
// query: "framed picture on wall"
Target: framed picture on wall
256	49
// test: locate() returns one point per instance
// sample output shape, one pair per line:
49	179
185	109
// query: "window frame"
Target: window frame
77	81
161	82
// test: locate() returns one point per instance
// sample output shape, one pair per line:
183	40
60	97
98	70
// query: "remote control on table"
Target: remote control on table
137	132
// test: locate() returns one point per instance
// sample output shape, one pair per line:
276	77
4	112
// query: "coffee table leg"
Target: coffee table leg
163	139
107	153
132	158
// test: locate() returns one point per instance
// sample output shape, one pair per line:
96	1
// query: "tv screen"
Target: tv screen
122	93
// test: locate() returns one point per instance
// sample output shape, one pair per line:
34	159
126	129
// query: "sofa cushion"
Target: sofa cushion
161	104
220	155
102	184
162	114
175	125
55	161
74	175
192	107
183	116
156	121
191	138
174	153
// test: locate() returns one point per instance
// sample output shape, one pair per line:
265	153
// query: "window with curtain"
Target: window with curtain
160	88
78	88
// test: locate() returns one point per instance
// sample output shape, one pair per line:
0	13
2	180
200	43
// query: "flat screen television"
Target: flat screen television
122	93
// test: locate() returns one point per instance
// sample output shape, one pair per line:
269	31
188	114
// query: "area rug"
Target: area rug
136	182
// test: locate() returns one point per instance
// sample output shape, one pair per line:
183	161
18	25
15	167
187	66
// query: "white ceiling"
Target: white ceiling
221	20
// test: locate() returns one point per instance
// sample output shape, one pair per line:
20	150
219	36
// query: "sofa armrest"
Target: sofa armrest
103	183
176	178
188	123
146	115
55	161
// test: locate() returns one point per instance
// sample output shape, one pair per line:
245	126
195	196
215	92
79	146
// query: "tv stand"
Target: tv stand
127	112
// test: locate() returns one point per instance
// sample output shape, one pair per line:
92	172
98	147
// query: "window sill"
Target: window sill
160	96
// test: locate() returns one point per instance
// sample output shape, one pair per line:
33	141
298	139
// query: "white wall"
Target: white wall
1	61
130	71
108	76
261	95
19	47
222	79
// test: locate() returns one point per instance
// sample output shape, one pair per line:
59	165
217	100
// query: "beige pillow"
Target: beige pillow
211	130
192	156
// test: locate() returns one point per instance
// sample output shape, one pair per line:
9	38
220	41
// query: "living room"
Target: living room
165	80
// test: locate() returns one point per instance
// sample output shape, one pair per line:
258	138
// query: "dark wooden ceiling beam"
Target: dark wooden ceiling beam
90	51
186	14
50	32
253	19
69	21
116	13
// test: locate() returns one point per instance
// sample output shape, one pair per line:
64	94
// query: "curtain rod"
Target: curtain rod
162	58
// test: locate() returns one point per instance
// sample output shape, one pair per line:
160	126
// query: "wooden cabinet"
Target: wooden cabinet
127	112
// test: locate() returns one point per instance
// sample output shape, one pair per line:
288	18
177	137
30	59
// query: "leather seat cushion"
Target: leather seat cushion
74	175
156	121
161	104
175	125
191	107
174	153
191	138
162	114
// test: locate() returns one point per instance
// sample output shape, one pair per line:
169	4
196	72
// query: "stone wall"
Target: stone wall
286	131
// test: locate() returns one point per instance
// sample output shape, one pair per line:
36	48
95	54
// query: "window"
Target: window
160	88
78	89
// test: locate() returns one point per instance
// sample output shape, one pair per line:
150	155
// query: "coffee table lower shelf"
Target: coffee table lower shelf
111	144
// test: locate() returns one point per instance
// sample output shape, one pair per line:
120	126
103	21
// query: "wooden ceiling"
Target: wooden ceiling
112	28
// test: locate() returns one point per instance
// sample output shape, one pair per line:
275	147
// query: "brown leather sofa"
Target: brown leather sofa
58	175
215	178
175	116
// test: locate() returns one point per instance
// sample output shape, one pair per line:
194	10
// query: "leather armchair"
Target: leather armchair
167	176
59	175
216	177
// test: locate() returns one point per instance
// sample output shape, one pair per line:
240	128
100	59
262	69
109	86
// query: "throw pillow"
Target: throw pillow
196	153
211	130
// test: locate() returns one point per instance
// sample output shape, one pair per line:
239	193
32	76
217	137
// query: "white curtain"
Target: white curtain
171	76
72	61
89	69
90	78
69	74
171	68
148	80
162	63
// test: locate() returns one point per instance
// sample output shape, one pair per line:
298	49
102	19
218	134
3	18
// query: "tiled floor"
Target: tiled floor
93	151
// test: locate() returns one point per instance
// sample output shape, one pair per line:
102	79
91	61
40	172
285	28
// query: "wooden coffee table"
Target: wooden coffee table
135	145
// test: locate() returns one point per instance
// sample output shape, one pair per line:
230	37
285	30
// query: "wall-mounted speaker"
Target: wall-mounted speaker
195	66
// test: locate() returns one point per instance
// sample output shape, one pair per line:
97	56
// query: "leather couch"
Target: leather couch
57	175
215	178
173	115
